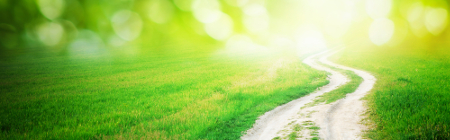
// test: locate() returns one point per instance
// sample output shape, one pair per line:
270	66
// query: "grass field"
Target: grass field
191	94
206	69
411	98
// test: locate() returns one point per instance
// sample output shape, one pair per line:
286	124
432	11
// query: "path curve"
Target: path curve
338	120
344	116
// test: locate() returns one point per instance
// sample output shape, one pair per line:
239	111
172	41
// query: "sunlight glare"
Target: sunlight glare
240	44
254	10
311	38
378	8
220	29
337	23
206	11
280	41
256	18
381	31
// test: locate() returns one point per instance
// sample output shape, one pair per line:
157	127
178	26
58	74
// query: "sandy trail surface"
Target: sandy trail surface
337	120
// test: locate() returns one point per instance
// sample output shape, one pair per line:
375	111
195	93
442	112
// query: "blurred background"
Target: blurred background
73	27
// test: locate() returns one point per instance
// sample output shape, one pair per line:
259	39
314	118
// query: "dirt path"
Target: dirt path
338	120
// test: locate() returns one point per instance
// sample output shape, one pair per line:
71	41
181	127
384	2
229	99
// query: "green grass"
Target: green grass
314	128
295	133
293	136
411	98
297	127
191	94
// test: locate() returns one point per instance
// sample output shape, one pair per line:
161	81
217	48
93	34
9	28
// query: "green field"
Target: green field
411	98
206	69
190	94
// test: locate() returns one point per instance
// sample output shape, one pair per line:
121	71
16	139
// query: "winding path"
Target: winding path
338	120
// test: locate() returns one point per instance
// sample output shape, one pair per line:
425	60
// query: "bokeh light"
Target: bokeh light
220	29
339	18
436	20
87	43
309	37
116	41
298	25
256	18
401	31
239	43
415	16
50	33
414	12
237	3
242	45
378	8
51	9
189	35
127	24
381	31
206	11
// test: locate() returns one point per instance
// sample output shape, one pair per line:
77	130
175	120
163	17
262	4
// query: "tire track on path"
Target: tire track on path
338	120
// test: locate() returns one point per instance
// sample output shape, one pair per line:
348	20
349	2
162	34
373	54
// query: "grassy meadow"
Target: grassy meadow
206	69
411	98
190	94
